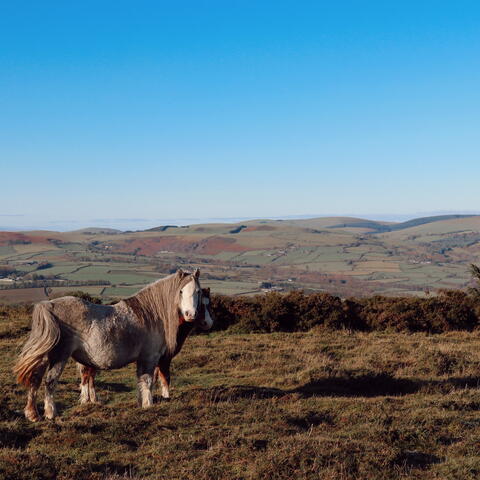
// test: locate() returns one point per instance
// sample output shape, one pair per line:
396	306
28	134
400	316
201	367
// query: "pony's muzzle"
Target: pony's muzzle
189	316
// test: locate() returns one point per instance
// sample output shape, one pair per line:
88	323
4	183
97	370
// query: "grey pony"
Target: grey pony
138	329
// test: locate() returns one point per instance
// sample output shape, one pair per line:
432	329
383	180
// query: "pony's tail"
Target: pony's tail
44	335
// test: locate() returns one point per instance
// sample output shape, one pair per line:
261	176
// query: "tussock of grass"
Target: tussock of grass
329	405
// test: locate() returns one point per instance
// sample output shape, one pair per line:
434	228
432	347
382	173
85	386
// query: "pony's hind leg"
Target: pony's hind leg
51	379
31	411
87	383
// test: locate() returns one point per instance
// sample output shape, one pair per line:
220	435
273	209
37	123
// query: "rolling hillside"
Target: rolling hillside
345	256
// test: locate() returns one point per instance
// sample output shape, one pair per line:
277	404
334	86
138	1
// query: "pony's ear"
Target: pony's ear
196	273
180	273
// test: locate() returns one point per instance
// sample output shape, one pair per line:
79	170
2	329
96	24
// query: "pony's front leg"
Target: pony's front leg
162	373
145	383
91	386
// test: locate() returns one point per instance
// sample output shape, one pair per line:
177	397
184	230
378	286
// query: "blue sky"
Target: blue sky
167	110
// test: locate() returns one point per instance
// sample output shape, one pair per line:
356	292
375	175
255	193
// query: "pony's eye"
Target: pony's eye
181	292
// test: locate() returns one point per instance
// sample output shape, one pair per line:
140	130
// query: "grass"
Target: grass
328	405
60	269
121	291
6	250
29	295
22	295
231	287
106	272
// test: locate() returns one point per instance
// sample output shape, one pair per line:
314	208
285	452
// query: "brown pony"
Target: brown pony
203	320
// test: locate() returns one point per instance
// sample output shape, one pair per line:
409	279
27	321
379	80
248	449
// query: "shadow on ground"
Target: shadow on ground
367	385
112	386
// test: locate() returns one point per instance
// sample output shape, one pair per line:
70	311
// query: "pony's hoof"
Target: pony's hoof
32	416
50	414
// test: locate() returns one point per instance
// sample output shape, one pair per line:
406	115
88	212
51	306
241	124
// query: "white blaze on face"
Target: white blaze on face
189	300
207	322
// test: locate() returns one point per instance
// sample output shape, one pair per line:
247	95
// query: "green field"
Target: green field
102	272
6	250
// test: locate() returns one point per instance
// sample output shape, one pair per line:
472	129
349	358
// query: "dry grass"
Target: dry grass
323	405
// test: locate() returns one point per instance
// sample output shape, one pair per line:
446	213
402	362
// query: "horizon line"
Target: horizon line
127	224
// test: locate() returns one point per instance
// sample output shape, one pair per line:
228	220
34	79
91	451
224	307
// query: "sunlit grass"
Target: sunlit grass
331	405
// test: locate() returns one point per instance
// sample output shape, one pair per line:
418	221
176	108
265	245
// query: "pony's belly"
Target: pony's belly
116	352
104	360
107	358
107	355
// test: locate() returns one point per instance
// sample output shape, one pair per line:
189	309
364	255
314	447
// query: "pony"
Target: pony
204	321
141	328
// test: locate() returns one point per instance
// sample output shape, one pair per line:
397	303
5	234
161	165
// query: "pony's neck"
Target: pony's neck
151	304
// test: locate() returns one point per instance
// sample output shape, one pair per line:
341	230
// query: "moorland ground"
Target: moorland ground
344	256
320	404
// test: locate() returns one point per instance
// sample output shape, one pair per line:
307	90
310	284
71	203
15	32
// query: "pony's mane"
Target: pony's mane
156	305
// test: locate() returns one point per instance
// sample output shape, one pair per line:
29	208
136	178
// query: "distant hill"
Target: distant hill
97	231
327	222
379	227
160	228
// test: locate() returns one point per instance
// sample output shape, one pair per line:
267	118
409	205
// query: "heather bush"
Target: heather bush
79	294
297	311
238	312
